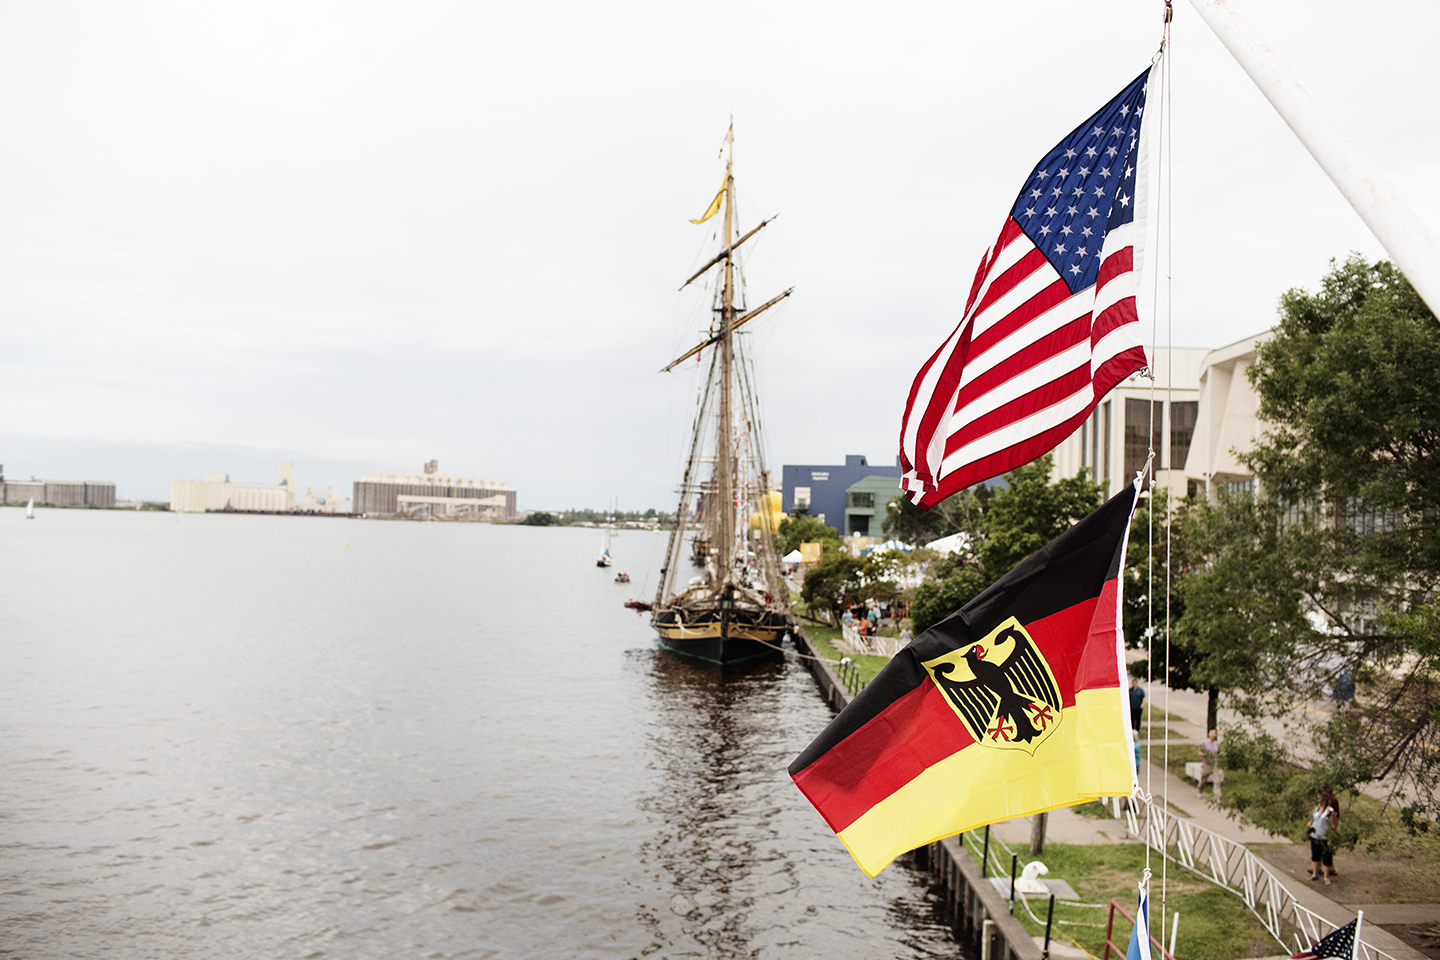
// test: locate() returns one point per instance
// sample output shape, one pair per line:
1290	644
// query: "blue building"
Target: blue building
820	491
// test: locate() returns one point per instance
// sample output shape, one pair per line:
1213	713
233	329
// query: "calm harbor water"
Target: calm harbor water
228	736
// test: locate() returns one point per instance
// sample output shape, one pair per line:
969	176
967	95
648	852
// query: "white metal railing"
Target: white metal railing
876	645
1230	864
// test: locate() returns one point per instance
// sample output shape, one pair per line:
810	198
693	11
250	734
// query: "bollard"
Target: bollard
985	854
1014	859
1050	916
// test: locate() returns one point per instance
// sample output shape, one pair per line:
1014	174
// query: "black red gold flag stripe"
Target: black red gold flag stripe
1013	705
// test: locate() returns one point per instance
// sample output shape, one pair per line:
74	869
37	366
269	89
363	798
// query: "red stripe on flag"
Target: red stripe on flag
933	410
1113	318
1056	342
1114	264
918	730
1001	461
1054	294
1039	397
1115	369
909	736
1099	667
1008	233
1016	274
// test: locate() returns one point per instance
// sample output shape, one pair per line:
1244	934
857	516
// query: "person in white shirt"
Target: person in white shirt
1209	753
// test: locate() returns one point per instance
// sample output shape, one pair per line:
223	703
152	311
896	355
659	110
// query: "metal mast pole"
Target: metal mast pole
724	452
1404	236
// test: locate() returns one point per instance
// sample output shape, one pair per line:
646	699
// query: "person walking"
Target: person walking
1325	817
1137	703
1209	753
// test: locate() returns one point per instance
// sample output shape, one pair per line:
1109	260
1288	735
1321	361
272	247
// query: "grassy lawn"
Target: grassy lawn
1214	925
867	664
1152	732
1156	715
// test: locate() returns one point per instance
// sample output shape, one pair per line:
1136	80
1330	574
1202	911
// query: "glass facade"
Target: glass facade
1183	414
1141	432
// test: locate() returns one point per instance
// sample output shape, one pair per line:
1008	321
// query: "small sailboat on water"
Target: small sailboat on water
30	509
604	558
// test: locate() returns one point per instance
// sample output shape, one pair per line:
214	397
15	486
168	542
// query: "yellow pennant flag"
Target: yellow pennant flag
714	205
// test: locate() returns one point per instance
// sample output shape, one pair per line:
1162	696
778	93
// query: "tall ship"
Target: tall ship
726	601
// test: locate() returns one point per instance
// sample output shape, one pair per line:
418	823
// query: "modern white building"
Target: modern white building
1198	429
1228	423
216	492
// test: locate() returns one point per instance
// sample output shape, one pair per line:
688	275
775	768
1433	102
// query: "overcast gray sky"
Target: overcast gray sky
361	235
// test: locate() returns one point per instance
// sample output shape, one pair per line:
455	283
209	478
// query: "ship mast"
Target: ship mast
725	448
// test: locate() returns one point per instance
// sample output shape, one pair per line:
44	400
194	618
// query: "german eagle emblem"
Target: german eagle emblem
1001	688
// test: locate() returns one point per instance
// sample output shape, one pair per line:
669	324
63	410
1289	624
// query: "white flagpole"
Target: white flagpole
1413	247
1359	922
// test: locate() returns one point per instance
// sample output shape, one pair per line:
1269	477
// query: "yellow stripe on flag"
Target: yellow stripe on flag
714	205
1087	757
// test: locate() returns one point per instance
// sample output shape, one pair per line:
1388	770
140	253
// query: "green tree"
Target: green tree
833	583
1006	525
540	519
1330	571
961	513
1030	511
955	583
797	530
1151	552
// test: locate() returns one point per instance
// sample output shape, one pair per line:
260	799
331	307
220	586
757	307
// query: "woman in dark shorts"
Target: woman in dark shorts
1325	817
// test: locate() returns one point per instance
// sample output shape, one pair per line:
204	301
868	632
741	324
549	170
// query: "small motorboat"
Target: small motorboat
622	577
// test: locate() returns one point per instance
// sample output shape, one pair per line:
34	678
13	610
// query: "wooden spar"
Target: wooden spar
725	253
733	327
725	445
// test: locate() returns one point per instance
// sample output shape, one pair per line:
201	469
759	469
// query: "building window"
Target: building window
1367	521
802	499
862	501
1194	488
1183	414
1095	442
1238	488
1106	462
1141	432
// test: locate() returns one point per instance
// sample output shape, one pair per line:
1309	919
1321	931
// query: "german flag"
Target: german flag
1014	705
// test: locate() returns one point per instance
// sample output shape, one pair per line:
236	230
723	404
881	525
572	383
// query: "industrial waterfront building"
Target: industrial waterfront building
218	493
57	493
384	493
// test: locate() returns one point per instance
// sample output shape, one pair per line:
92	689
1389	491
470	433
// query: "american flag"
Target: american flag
1050	326
1339	943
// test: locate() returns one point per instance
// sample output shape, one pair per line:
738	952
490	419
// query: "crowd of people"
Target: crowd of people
867	616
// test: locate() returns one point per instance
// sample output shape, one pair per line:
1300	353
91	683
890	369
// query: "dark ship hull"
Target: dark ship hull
721	631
